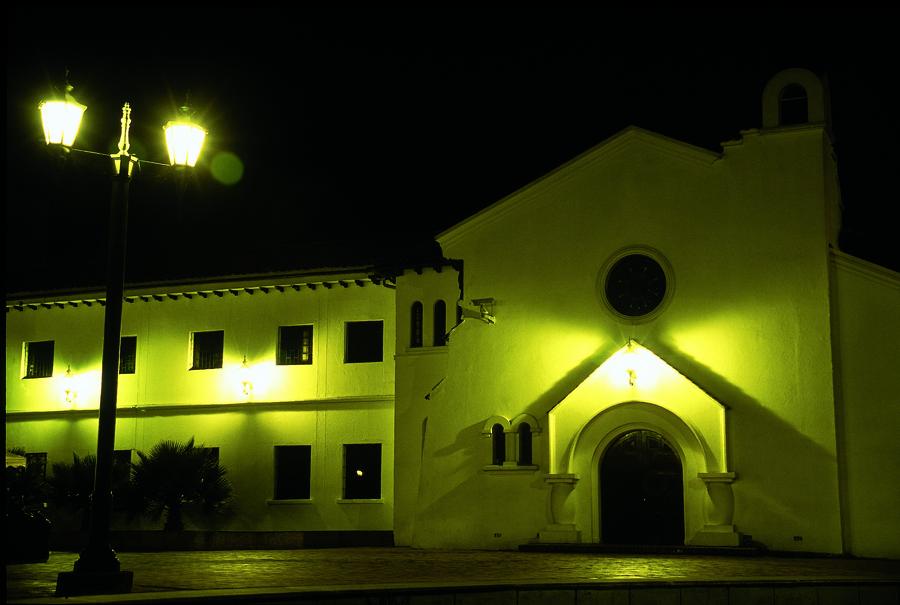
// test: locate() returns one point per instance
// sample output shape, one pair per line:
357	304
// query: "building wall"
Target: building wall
163	329
420	371
866	313
746	237
246	438
326	404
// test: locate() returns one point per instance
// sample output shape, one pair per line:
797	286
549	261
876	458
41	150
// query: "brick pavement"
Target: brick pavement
341	569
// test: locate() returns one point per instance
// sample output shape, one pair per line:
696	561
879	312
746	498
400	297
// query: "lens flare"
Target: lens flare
227	168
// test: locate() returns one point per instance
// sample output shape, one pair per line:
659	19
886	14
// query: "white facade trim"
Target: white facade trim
174	291
209	408
877	273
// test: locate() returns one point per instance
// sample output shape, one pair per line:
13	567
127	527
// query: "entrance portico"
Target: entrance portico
635	390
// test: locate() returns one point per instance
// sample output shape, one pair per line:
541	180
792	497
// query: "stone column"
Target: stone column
562	527
511	440
719	511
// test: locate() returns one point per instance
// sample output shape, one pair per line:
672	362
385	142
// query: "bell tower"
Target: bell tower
793	97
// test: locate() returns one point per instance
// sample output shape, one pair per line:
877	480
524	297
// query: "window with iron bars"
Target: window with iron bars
295	345
207	349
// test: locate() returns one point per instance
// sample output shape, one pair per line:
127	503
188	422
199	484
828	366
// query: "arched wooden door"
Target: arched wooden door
641	491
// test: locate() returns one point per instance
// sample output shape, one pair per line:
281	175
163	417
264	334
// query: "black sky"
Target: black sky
366	132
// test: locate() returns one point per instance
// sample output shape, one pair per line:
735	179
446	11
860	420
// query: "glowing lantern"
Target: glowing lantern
246	379
634	366
184	140
71	395
61	120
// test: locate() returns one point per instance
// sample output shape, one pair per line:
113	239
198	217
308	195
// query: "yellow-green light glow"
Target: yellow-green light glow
61	120
252	381
70	394
184	141
227	168
634	366
246	379
79	390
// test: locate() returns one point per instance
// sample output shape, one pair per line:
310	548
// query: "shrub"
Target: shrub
178	478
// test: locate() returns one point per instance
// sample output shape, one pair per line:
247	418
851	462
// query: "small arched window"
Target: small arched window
440	323
793	105
524	458
498	445
415	325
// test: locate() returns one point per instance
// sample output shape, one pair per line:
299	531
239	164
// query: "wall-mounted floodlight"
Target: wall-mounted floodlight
634	366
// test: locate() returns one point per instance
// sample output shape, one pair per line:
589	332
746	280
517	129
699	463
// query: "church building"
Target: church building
653	344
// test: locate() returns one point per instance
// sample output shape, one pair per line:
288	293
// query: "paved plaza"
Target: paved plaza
403	575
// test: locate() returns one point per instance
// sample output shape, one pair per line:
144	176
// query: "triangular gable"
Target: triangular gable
634	365
636	374
617	143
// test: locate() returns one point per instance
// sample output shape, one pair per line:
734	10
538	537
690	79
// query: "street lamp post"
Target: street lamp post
97	569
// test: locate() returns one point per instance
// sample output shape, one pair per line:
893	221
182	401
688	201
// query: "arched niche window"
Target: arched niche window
415	325
440	323
524	454
793	105
498	445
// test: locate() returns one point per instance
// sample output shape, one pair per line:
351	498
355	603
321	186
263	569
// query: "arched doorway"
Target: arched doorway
641	491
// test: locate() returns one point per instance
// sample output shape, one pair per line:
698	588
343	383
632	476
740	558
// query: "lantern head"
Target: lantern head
61	119
184	139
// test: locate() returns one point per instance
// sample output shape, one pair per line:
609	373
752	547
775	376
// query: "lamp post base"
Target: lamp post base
73	583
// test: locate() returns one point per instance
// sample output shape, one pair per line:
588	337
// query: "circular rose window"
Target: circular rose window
635	284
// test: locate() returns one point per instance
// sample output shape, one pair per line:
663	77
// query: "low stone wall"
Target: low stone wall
144	541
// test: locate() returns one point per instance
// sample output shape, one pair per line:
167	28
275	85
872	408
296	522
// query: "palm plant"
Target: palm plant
72	485
175	478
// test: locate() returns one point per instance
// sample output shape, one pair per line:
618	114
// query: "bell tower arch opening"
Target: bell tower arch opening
793	105
795	97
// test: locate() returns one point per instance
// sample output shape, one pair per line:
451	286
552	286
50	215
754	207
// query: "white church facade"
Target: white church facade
655	343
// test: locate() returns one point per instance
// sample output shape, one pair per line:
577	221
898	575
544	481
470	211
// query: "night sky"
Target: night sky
364	133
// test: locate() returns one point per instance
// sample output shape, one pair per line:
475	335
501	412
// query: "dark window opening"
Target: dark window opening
127	354
36	464
525	444
793	105
415	326
294	345
212	453
498	445
121	457
39	359
208	347
121	475
121	466
364	341
362	471
292	472
440	323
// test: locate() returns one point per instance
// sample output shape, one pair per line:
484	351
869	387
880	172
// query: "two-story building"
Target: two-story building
290	377
653	344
